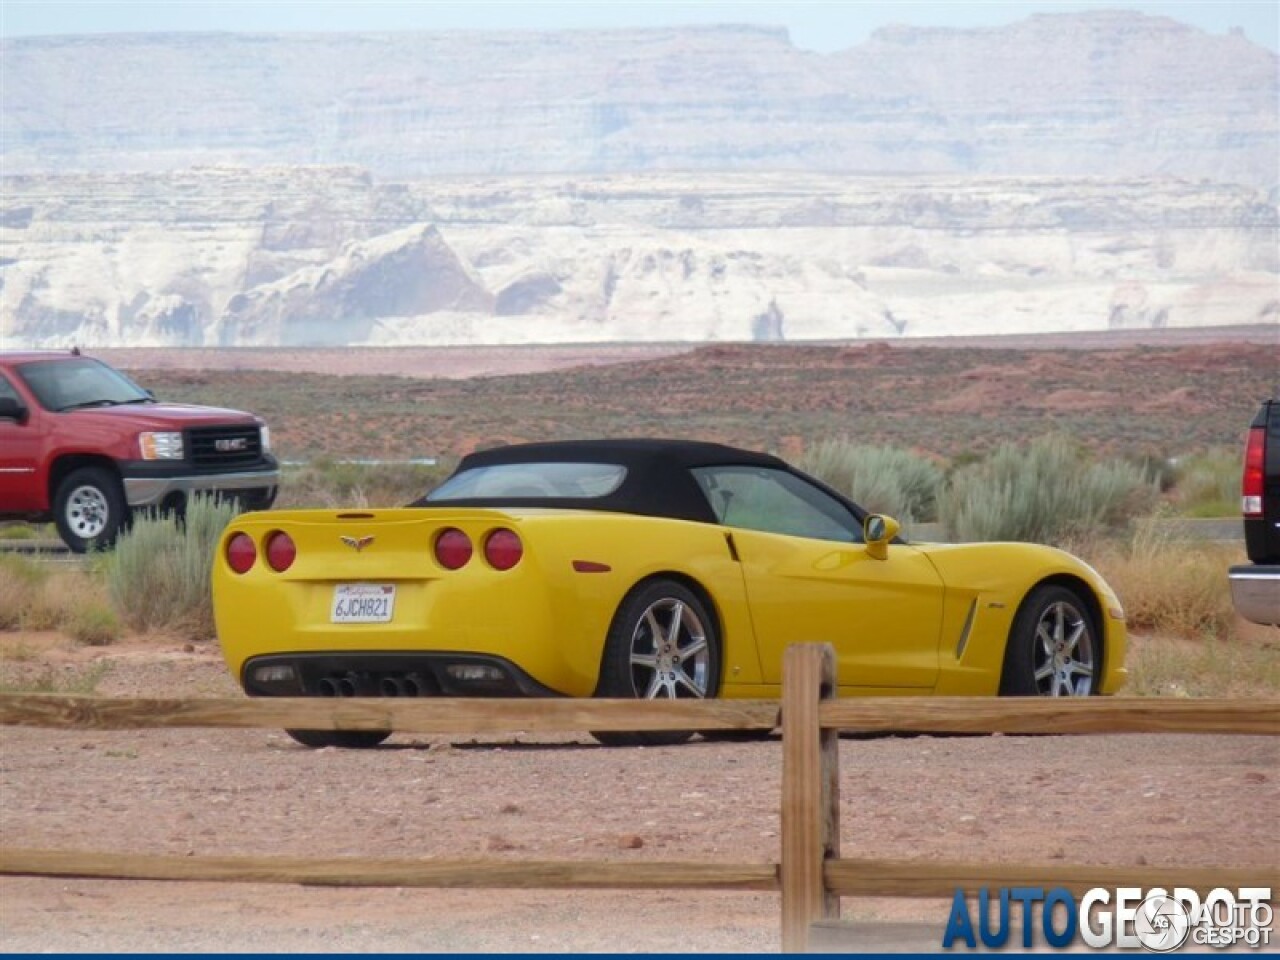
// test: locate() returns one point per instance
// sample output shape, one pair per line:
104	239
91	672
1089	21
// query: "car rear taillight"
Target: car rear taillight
281	551
241	553
453	548
503	549
1251	485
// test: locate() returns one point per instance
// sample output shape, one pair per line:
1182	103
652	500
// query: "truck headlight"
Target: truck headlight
266	438
161	445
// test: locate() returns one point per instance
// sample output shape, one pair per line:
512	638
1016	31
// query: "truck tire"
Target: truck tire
89	509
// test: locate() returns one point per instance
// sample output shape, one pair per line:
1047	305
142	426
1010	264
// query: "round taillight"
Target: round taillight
241	553
281	551
453	549
503	549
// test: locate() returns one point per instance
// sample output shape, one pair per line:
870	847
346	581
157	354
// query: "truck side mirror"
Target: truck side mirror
13	409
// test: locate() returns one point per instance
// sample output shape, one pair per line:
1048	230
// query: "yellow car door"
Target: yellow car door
810	578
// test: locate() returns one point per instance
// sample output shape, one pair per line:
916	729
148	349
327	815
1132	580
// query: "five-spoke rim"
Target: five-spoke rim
1064	652
670	657
87	512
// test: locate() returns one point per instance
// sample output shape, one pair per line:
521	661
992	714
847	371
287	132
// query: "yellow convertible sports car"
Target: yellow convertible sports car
642	568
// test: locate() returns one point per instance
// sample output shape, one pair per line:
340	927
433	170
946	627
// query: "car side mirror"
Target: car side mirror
879	531
13	409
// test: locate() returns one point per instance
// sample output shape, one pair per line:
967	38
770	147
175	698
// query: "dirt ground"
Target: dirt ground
1120	800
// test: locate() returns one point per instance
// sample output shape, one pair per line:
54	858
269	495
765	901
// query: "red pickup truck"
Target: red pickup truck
83	445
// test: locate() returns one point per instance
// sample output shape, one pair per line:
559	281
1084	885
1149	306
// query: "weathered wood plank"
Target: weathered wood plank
1053	715
810	798
431	715
362	872
462	715
921	878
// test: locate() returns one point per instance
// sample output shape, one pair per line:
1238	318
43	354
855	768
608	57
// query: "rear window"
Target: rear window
548	481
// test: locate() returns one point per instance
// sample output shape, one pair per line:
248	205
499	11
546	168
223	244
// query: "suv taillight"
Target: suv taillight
1254	458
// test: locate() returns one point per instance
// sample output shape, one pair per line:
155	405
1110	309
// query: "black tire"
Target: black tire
1054	649
348	739
89	509
641	660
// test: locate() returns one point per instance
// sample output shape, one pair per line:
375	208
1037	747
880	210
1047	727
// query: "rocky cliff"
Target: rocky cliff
231	256
1069	172
1102	93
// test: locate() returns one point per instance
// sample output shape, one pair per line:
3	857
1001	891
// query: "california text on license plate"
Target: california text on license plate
363	603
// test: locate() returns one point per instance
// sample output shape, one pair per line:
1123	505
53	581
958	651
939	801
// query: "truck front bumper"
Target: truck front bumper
1255	592
256	489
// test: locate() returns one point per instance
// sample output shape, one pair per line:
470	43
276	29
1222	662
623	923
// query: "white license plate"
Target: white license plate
363	603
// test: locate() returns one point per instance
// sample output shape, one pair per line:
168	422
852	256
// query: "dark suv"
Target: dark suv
1255	586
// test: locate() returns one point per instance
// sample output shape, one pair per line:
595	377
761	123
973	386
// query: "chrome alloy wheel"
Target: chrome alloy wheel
669	653
1064	652
87	512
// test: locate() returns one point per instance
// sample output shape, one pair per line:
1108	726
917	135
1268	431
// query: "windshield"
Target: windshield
68	383
551	481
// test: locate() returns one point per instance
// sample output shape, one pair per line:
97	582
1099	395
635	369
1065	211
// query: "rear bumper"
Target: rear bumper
389	674
1255	592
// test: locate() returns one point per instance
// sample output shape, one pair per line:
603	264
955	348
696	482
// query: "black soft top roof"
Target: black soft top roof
627	451
657	484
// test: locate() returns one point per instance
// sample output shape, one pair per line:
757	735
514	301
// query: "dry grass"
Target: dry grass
1246	666
36	597
1171	587
1185	636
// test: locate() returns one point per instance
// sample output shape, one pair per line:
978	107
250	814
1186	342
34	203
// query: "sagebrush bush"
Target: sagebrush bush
1208	483
94	625
881	479
158	575
328	483
1047	492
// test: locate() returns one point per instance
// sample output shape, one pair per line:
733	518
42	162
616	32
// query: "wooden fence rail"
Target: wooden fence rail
811	876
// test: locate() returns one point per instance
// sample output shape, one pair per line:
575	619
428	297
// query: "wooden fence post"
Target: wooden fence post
810	792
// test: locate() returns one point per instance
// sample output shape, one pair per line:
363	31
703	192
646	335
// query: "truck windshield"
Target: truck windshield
68	383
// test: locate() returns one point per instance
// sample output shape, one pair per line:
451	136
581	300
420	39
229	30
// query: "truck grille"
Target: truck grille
225	446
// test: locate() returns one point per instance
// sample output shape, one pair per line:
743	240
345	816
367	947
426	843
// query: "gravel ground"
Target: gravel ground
1120	800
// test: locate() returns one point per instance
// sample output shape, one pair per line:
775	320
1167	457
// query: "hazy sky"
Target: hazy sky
820	26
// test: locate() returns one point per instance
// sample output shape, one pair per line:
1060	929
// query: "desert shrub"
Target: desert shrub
881	479
331	483
1047	492
94	625
1208	483
158	575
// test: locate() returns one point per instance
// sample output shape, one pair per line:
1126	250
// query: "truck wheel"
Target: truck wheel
89	509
